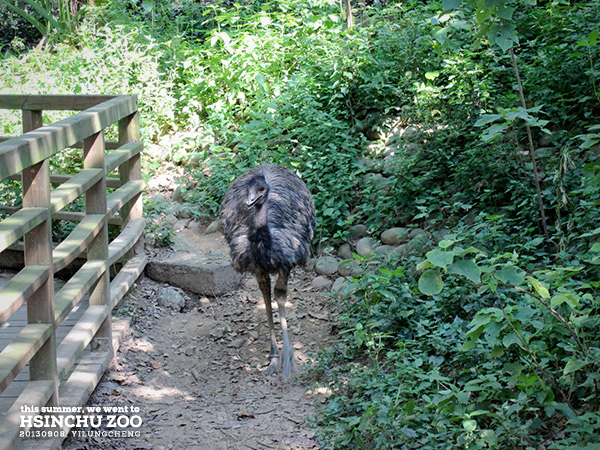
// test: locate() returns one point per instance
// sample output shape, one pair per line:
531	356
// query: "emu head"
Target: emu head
257	191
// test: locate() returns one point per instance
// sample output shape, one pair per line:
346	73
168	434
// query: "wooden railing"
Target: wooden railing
51	367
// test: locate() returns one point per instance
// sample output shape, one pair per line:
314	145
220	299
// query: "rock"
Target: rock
179	211
161	181
323	247
214	328
357	231
321	282
411	134
545	140
171	298
195	160
419	245
401	251
338	285
545	152
178	194
378	181
208	273
412	148
184	212
441	234
327	265
372	134
365	246
171	219
213	227
383	250
345	252
470	218
349	268
366	163
391	164
238	343
416	232
394	236
158	199
181	224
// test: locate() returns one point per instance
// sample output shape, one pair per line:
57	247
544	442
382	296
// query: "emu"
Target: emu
268	219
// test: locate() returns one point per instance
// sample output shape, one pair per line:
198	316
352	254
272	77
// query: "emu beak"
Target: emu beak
252	199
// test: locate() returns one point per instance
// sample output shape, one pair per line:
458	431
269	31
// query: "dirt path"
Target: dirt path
199	377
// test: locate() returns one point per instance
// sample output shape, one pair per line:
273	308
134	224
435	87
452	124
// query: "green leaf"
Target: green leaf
509	275
511	338
446	243
447	5
469	344
440	258
569	298
432	75
469	425
425	265
441	35
540	289
506	12
467	268
478	321
573	365
558	300
503	42
46	13
431	283
494	131
487	118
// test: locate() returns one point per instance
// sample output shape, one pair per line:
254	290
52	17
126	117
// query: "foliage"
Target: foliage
158	231
493	356
41	15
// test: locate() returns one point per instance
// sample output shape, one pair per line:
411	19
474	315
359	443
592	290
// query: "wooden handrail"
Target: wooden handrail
52	102
35	146
16	226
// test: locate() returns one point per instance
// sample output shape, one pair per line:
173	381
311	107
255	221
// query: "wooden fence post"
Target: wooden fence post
95	203
129	131
38	251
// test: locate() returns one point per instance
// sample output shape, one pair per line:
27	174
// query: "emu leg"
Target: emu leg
287	352
264	283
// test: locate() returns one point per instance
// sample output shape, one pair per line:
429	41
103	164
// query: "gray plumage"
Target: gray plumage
268	219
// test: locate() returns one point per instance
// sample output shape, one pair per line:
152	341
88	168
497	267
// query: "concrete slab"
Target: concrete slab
199	263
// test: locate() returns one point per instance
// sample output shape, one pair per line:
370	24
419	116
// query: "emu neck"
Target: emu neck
260	218
260	240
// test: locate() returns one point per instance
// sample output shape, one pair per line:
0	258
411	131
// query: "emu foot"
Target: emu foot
275	364
290	367
284	360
